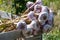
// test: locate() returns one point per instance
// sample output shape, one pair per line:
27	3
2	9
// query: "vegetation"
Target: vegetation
20	5
54	34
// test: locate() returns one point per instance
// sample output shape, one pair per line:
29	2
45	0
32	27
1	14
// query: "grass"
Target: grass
54	34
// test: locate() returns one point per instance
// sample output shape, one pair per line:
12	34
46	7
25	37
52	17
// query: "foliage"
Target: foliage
54	34
10	5
20	5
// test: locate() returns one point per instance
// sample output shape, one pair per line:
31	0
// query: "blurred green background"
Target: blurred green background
19	6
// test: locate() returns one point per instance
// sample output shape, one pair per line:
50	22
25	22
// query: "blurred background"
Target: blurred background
19	6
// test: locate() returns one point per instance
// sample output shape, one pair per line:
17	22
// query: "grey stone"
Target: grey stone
7	15
12	35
